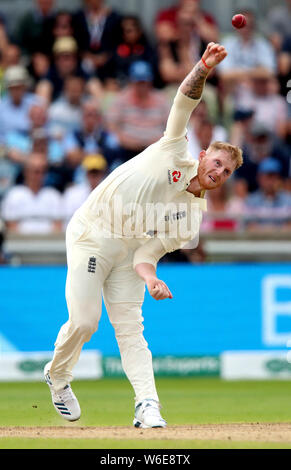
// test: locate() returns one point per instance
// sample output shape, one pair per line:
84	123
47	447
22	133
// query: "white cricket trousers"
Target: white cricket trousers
97	264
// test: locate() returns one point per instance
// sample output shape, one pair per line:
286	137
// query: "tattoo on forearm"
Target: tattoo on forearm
193	84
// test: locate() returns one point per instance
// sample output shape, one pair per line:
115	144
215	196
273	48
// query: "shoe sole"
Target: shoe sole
139	424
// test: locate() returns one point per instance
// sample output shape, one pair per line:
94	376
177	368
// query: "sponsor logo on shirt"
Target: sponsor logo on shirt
174	176
171	217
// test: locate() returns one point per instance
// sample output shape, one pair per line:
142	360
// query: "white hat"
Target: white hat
16	75
65	45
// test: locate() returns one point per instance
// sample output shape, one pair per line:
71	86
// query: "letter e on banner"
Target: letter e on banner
272	308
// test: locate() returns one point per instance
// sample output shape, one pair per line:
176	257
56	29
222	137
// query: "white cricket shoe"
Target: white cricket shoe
64	401
147	415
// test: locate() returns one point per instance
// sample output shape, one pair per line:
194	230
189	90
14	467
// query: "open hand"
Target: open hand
158	289
214	54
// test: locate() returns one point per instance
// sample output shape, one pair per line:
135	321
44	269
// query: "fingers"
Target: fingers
216	52
215	48
161	291
209	45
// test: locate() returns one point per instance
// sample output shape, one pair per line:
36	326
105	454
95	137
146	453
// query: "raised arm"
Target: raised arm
192	86
190	90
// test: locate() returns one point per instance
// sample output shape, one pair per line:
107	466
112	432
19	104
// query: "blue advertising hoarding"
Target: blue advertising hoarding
215	308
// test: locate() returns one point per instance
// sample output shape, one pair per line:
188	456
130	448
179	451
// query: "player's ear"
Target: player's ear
201	155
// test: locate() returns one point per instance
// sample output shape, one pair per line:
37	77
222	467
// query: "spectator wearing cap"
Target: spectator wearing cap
139	114
32	208
269	208
94	167
65	63
16	104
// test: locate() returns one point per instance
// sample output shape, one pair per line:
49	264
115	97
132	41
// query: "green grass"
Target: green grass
109	402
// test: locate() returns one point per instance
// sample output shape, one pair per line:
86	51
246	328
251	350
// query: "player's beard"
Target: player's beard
204	180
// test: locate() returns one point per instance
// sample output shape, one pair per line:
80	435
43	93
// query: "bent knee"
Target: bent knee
85	328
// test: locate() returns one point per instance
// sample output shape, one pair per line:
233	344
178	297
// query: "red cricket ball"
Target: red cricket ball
239	21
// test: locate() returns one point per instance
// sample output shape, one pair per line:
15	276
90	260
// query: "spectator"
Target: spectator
278	24
269	208
38	67
240	132
284	66
20	144
167	22
8	175
139	114
237	198
4	36
176	56
32	208
223	211
62	26
249	55
202	130
10	55
94	167
259	145
91	138
65	114
33	30
270	108
15	106
98	33
65	63
134	45
205	134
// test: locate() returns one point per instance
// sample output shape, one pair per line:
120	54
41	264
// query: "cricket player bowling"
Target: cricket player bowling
148	206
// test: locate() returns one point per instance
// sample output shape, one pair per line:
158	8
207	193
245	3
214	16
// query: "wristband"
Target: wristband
207	66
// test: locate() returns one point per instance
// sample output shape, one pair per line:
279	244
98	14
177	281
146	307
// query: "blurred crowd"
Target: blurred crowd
84	91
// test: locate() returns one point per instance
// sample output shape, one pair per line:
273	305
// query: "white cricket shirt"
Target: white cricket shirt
146	197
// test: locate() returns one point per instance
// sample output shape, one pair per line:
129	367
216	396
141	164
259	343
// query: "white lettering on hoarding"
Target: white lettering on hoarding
273	308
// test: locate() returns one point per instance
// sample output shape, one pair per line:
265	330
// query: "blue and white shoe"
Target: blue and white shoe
147	415
64	401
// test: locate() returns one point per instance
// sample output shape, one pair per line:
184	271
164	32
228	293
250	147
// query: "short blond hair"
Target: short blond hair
234	151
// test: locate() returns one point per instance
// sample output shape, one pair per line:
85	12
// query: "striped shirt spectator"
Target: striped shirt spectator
139	114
